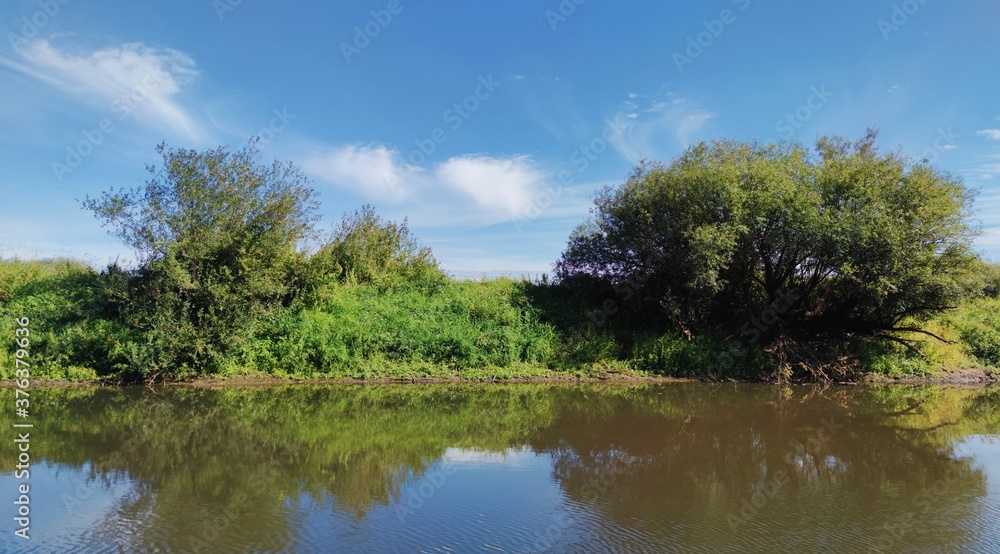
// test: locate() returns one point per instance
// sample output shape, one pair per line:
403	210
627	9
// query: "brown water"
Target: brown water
512	468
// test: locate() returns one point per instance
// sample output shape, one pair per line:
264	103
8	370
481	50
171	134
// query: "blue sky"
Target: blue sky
488	124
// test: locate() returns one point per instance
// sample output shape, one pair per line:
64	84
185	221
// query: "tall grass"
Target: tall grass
427	326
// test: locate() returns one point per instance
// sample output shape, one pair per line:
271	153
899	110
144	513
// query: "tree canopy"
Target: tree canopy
214	232
846	239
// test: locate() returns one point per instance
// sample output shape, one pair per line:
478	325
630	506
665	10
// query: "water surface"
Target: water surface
513	468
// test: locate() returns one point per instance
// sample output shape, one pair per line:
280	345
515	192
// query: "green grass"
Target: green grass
440	329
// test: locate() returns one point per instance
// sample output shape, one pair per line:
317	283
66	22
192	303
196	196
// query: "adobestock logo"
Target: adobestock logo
900	16
365	34
123	107
698	44
30	26
797	118
563	11
455	117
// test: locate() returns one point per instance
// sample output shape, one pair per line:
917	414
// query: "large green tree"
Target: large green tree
845	240
215	233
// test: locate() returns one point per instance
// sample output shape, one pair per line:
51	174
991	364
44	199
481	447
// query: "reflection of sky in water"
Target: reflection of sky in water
500	501
985	450
67	505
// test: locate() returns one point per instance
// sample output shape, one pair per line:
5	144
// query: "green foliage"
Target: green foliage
459	327
215	232
860	243
72	335
734	261
989	275
978	327
364	248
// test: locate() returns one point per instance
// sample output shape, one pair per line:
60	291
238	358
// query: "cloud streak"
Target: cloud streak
131	78
665	123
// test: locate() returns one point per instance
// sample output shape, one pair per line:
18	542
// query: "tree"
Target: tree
214	232
365	248
847	240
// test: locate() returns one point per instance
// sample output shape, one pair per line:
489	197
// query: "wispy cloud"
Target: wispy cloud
992	134
129	78
665	123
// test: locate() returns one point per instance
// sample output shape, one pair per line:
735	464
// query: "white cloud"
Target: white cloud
992	134
499	186
891	89
476	190
467	456
373	170
129	79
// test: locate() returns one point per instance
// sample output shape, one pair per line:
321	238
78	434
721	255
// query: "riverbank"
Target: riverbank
976	377
499	330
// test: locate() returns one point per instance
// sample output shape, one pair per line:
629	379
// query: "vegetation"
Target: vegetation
847	243
736	260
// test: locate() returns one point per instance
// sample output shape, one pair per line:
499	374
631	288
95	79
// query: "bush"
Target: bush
215	232
860	243
69	324
463	325
366	249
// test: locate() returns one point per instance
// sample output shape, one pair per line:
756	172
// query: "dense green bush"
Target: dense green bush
461	325
215	233
852	242
364	248
72	333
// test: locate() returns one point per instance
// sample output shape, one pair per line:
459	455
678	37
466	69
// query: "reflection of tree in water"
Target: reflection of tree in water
686	469
671	463
220	464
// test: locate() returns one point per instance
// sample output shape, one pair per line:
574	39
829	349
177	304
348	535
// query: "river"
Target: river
679	467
